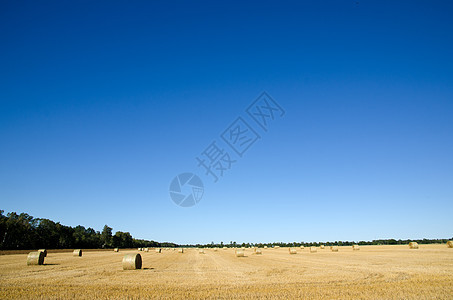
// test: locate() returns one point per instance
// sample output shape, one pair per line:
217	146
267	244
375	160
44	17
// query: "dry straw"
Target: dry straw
43	251
116	250
77	252
201	251
276	247
413	245
313	249
334	248
146	249
322	246
258	251
355	247
132	261
292	250
158	250
265	247
302	247
450	244
215	249
181	250
225	247
239	253
35	258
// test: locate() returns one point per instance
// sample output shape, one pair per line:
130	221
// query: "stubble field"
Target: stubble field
373	272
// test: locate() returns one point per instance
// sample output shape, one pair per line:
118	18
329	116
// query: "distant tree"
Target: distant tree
66	239
48	234
122	240
106	237
79	237
18	231
3	220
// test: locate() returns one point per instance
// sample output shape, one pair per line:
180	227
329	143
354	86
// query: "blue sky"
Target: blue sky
103	104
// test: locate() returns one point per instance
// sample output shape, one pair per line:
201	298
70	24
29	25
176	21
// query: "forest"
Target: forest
22	231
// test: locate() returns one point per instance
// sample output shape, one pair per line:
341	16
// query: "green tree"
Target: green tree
106	237
19	231
3	220
48	234
122	240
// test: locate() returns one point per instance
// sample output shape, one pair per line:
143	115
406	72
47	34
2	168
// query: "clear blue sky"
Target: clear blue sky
102	104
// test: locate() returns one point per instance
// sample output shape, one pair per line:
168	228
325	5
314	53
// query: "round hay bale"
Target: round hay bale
201	251
276	247
322	246
43	251
215	249
181	250
265	247
313	249
139	249
334	248
158	250
450	244
302	247
225	247
413	245
35	258
258	251
77	252
239	253
355	247
146	249
132	261
292	250
116	250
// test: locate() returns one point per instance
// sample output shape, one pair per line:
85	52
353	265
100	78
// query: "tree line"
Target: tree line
22	231
232	244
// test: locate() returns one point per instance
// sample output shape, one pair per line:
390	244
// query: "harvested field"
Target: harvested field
373	272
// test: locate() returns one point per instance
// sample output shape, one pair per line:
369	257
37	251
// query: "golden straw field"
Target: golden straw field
373	272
